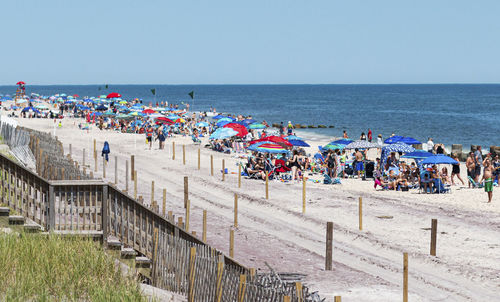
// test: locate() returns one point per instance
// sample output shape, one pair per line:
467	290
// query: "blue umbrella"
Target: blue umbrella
333	147
226	119
29	108
218	117
343	141
293	137
249	121
439	159
393	139
298	143
223	123
401	139
201	124
257	126
223	133
417	154
101	107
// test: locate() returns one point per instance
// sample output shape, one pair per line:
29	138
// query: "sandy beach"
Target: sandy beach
368	264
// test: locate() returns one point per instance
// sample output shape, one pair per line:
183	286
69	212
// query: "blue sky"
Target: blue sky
249	42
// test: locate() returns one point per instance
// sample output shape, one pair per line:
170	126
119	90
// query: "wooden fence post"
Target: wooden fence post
220	273
329	245
186	191
239	176
132	166
116	170
95	161
303	195
242	286
173	150
164	205
103	168
95	146
434	224
135	184
235	210
180	224
152	192
405	277
298	291
212	165
188	209
287	299
192	258
361	213
184	154
155	256
204	234
70	151
199	159
83	161
267	186
231	243
337	299
223	169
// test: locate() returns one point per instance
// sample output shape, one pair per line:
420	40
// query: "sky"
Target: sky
249	42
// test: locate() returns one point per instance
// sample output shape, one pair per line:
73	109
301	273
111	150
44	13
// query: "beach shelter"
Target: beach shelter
417	154
242	130
222	133
298	143
439	159
361	145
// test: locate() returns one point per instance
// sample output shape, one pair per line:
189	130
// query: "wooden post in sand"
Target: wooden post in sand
287	299
267	186
70	150
337	299
303	195
95	161
223	169
299	291
204	234
184	154
361	213
103	168
95	146
235	210
83	161
164	202
231	243
186	191
405	277
116	170
329	245
152	192
434	224
199	159
180	224
188	212
126	176
212	165
132	166
135	184
239	176
173	150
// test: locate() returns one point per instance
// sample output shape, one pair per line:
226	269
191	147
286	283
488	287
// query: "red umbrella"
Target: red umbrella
242	130
20	83
165	120
113	95
148	111
274	139
75	95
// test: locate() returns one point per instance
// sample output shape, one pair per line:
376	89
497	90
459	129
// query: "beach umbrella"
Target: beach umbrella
242	130
268	148
101	107
247	122
361	145
202	124
225	119
393	139
439	159
343	141
417	154
148	111
222	133
223	123
109	113
289	137
398	147
218	117
257	126
173	117
22	101
164	120
69	102
334	147
402	139
298	143
274	139
180	120
124	117
113	95
41	106
25	109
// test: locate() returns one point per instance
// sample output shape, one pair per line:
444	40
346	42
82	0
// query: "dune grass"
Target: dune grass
41	268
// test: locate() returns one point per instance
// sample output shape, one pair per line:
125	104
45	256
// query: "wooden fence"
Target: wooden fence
181	262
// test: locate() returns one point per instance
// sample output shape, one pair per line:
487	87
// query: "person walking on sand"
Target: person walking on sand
161	137
456	170
290	128
470	163
430	145
149	136
478	155
369	135
487	177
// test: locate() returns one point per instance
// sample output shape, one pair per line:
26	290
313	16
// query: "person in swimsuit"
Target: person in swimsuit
345	135
293	163
487	177
456	170
471	167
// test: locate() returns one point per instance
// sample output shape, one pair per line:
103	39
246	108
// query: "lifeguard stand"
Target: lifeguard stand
20	91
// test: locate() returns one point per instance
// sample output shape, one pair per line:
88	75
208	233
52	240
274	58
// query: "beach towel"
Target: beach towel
106	151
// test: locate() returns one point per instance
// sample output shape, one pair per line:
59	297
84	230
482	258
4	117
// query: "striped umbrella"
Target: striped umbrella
398	147
268	148
361	145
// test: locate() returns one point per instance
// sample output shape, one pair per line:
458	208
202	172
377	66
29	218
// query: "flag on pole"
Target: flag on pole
99	88
191	94
153	91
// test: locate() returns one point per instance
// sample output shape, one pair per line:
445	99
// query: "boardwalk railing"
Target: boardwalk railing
180	262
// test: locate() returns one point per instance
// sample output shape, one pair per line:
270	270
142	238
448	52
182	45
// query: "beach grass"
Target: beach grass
52	268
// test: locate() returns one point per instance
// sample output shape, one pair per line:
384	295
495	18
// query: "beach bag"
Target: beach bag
327	180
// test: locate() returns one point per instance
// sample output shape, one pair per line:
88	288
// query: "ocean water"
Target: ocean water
450	114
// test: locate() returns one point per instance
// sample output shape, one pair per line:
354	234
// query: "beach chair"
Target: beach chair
439	186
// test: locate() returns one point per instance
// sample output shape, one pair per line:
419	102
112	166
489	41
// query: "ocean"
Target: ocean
450	114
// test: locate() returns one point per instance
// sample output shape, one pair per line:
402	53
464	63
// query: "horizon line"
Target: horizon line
261	84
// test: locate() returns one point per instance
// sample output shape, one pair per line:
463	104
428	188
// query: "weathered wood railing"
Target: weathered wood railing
180	262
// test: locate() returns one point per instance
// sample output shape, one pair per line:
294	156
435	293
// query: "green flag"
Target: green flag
106	86
99	88
153	91
191	94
